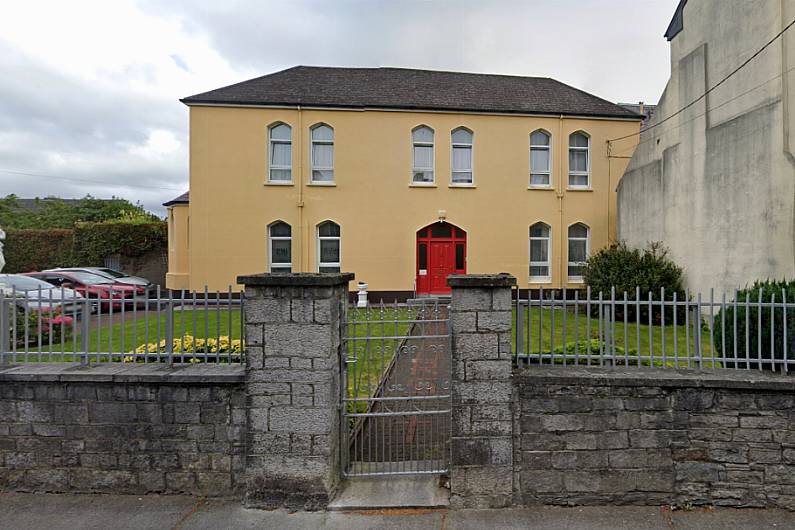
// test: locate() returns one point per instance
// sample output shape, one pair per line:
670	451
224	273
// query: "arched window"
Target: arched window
579	244
328	247
462	156
540	159
322	153
540	252
280	153
280	251
579	160
422	155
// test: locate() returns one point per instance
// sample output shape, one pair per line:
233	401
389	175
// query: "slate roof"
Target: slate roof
182	199
400	88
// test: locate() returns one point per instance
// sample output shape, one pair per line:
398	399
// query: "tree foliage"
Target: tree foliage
53	212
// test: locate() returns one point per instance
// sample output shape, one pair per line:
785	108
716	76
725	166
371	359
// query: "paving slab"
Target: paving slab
25	511
391	492
31	511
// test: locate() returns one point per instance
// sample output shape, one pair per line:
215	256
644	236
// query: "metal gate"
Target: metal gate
395	385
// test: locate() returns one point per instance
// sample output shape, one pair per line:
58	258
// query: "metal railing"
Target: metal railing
125	325
664	330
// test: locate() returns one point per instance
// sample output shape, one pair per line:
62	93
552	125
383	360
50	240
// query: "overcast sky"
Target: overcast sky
89	89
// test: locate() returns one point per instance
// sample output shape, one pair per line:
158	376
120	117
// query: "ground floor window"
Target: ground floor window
328	242
540	251
578	250
280	244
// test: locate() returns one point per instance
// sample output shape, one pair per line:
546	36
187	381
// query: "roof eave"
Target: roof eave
406	108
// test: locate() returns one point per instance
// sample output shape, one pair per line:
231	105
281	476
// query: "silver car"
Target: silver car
111	274
38	295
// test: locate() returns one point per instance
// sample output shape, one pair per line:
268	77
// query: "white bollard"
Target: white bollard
362	302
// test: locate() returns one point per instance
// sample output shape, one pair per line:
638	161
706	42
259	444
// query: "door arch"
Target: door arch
441	251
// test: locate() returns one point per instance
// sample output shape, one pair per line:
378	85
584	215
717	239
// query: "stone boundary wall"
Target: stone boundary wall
117	428
651	436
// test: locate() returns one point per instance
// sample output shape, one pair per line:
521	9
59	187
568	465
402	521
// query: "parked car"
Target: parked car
111	274
92	286
38	295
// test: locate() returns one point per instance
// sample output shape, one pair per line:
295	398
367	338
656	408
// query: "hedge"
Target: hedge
28	250
96	241
88	244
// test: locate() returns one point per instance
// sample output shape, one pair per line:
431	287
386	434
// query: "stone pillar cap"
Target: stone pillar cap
502	279
296	279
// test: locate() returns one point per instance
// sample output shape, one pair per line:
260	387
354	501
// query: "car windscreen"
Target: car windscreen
90	279
111	272
24	283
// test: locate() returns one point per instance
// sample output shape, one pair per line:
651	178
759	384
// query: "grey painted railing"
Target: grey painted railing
665	330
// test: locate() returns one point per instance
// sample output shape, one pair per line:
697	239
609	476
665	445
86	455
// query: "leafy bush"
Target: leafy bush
131	236
49	326
33	250
88	244
626	269
772	326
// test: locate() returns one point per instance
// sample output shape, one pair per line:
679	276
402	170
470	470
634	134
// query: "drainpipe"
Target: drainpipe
302	237
562	273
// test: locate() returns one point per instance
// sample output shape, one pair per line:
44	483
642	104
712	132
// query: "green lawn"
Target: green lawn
626	337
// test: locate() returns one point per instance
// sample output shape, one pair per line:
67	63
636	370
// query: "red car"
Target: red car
92	286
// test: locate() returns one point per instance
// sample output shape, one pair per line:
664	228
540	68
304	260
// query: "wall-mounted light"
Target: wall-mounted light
442	215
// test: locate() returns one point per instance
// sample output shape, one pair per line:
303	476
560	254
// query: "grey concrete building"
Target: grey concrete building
716	181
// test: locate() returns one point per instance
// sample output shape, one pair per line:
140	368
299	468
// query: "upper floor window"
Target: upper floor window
579	161
462	156
280	156
328	247
322	154
422	155
578	250
540	252
280	243
540	160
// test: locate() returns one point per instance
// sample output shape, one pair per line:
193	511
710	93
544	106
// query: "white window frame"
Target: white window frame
471	146
271	239
271	142
414	167
587	172
313	166
320	238
548	263
587	238
548	172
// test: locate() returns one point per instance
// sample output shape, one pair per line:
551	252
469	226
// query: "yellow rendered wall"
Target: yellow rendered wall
178	275
378	210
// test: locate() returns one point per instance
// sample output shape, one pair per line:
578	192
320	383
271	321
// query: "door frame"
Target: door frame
457	237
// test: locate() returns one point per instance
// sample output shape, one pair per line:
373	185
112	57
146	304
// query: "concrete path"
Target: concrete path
21	511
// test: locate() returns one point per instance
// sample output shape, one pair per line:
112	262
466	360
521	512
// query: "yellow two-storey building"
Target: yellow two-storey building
401	176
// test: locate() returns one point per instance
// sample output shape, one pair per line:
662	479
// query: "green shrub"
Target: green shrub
626	269
772	325
130	236
88	244
29	250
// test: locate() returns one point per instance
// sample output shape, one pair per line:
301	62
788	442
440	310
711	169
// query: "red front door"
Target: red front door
441	251
442	265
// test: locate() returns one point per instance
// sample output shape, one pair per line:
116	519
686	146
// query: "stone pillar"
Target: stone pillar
481	462
293	324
